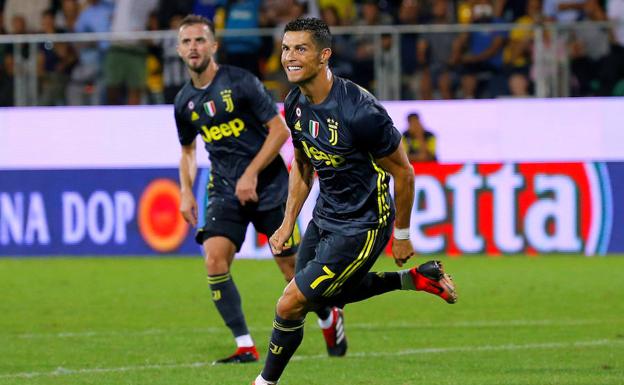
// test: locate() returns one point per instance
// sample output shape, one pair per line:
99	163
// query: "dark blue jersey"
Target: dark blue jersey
342	137
230	116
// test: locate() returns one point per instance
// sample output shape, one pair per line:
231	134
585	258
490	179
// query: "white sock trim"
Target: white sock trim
261	381
244	341
326	323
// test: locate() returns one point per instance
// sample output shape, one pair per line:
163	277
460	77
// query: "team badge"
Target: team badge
226	95
210	108
298	112
191	105
333	131
314	128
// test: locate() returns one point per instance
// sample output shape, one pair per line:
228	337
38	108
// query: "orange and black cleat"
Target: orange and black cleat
430	277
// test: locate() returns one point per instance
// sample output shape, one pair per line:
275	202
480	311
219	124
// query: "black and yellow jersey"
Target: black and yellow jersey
342	137
230	116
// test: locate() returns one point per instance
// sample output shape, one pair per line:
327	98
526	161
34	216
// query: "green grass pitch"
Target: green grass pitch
549	320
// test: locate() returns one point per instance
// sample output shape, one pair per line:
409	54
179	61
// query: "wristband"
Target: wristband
401	234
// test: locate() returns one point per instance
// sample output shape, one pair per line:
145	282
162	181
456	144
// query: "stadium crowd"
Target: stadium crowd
433	65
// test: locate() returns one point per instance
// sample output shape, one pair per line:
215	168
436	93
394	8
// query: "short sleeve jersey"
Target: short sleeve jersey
230	117
342	136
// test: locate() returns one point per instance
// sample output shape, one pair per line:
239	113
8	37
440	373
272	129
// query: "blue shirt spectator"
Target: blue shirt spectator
95	18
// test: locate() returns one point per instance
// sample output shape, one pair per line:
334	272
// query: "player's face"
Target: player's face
301	58
196	46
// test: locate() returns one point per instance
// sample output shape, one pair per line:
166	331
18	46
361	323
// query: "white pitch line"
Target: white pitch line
356	326
457	349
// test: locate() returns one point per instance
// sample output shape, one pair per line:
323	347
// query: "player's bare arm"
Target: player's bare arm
300	183
188	171
403	174
278	134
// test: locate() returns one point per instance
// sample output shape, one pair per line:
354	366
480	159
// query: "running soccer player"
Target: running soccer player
243	132
344	134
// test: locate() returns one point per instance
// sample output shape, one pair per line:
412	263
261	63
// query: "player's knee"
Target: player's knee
215	264
292	304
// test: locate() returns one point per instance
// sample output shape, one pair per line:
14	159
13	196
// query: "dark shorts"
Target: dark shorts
329	264
231	221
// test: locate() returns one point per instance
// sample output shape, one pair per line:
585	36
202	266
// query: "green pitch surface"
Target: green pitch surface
548	320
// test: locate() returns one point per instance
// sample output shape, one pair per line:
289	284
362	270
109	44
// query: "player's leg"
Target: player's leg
429	277
287	333
222	237
358	284
330	318
333	256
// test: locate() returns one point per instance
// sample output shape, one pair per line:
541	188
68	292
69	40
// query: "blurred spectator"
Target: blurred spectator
66	16
612	72
124	66
408	14
564	11
518	52
588	48
419	143
434	54
386	70
242	51
7	79
2	29
208	8
54	64
174	71
371	15
510	10
154	65
30	10
86	84
167	9
480	54
340	61
344	8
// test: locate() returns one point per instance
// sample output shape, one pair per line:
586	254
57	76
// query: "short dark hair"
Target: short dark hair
317	27
413	115
197	19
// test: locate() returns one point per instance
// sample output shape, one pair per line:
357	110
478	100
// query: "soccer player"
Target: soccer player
344	134
231	111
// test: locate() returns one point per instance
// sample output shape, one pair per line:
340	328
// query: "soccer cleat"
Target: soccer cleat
430	277
334	335
242	355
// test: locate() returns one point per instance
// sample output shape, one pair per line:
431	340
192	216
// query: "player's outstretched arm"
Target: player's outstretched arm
188	171
403	174
300	183
278	134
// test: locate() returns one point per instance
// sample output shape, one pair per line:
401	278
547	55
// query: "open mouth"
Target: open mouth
294	68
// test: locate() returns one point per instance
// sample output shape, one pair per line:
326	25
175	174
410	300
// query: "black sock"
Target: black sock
227	300
285	340
373	284
323	312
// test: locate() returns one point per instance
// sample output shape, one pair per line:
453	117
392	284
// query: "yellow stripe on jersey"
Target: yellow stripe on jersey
353	266
382	189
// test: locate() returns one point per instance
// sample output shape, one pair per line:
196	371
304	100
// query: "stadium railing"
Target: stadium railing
551	71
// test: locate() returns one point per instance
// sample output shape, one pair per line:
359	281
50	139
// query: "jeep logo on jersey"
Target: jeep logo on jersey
210	108
232	128
314	128
226	95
